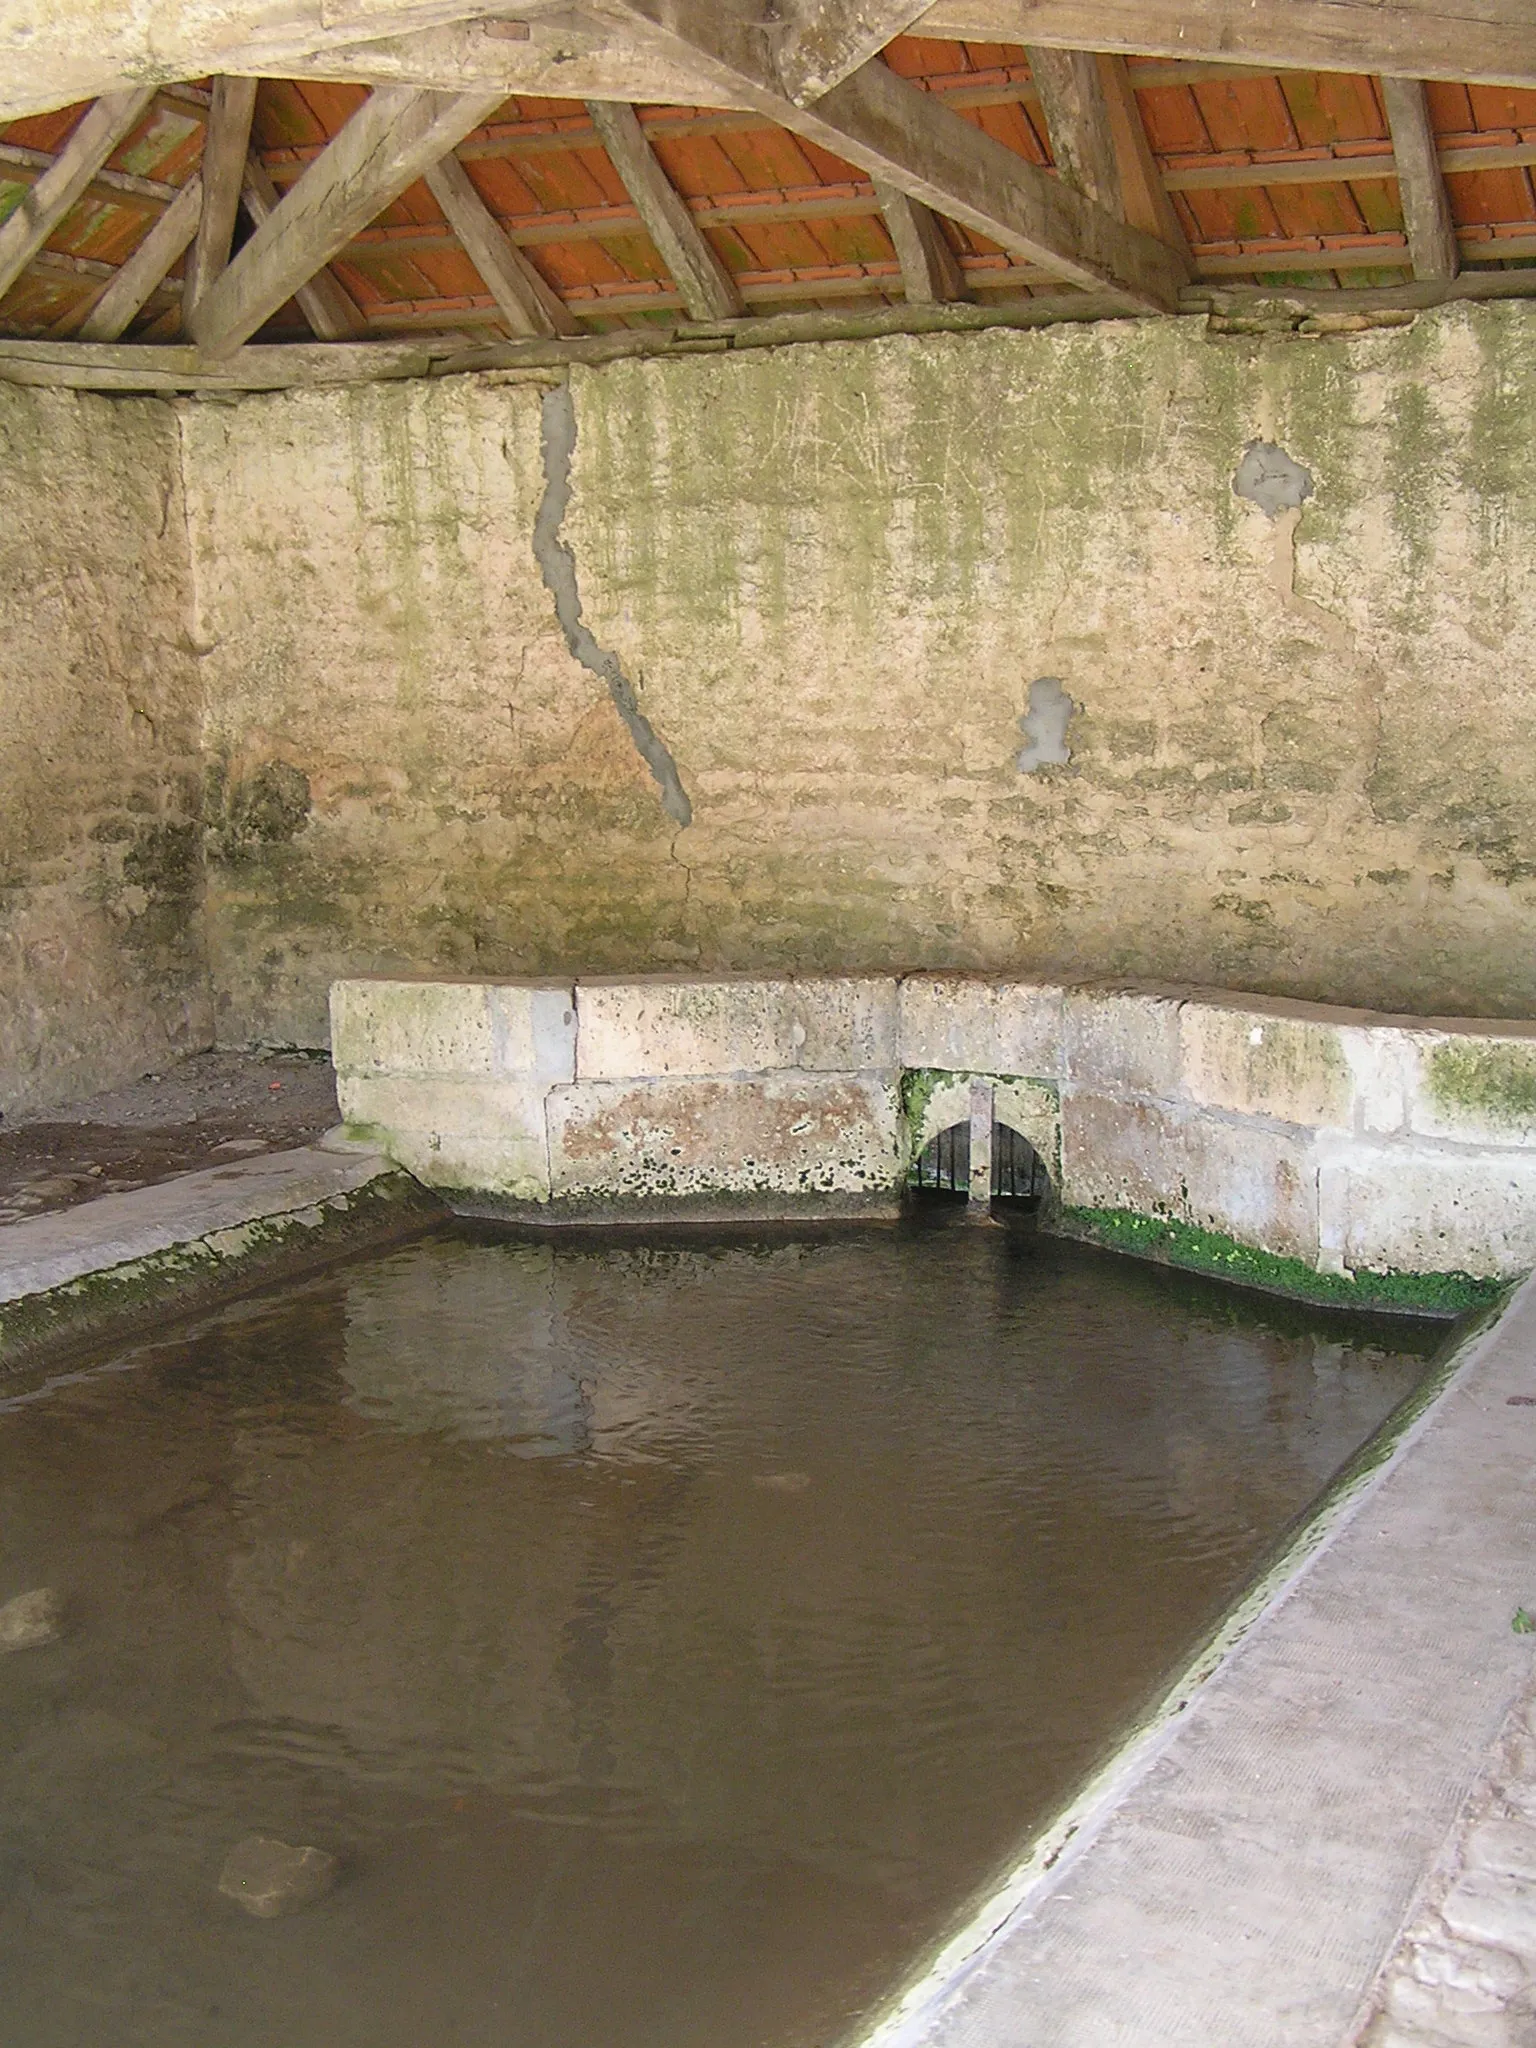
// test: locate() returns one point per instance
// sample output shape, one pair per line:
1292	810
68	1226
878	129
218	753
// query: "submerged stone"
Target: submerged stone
268	1878
31	1619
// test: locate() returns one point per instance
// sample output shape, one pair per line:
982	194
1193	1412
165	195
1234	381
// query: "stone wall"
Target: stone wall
1331	1142
835	593
102	967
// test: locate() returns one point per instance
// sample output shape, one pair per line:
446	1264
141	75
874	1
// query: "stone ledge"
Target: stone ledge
95	1272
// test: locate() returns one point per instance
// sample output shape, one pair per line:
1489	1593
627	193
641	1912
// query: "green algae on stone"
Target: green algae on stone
1209	1251
1494	1081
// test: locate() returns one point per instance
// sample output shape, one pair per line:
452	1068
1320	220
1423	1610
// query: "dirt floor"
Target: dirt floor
216	1106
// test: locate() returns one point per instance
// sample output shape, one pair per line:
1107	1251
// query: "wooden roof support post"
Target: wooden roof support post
822	41
323	301
930	269
708	289
129	291
527	304
99	131
225	142
394	137
903	136
1148	202
1426	209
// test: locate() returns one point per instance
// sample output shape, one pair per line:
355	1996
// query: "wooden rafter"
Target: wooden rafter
1143	193
226	140
706	285
930	270
526	302
1420	184
906	138
98	132
1403	38
129	291
322	300
819	42
386	146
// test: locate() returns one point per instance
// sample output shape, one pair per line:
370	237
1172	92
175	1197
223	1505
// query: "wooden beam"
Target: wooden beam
24	166
1491	42
705	283
98	132
226	139
1421	187
392	138
821	41
129	291
907	138
930	270
566	57
53	56
137	366
527	303
1077	121
323	301
1143	192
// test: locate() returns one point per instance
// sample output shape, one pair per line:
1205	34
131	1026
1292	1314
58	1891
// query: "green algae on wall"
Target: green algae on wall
1209	1251
833	573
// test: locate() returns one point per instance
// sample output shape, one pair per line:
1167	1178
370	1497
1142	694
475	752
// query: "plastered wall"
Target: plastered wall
102	967
830	579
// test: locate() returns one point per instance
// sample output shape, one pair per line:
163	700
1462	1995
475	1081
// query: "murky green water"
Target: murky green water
671	1640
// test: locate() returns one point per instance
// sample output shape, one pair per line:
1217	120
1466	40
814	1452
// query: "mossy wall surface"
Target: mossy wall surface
1300	749
103	971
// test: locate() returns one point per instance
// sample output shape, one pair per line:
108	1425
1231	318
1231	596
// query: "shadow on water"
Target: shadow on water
670	1633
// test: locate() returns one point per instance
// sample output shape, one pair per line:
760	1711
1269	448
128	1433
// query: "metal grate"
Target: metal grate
944	1166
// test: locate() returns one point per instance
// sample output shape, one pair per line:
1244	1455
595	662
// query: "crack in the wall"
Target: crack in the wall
557	565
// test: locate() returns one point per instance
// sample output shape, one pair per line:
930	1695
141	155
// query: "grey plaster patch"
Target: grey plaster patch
1044	725
557	565
1271	479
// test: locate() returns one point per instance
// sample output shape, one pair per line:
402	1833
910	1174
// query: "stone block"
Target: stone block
454	1027
1499	1912
1383	1061
962	1024
1415	1209
1247	1181
269	1878
668	1025
1290	1068
772	1142
31	1620
455	1134
1474	1087
1122	1039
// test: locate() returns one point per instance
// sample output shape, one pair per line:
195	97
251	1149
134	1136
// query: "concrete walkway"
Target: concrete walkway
93	1272
1245	1889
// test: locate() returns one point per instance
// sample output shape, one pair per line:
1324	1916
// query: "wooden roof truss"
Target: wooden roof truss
430	178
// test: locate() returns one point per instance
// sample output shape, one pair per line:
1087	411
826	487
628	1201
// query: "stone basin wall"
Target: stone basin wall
1327	1141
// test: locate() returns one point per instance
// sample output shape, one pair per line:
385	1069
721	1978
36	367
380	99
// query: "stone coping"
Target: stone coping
1241	1873
1332	1139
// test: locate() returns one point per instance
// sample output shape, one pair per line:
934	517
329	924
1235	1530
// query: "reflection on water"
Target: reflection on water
669	1640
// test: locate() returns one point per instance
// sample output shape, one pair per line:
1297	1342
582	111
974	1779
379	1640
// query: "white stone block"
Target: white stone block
1122	1039
1383	1061
1248	1181
788	1138
454	1027
667	1025
456	1134
963	1024
1417	1209
1257	1062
